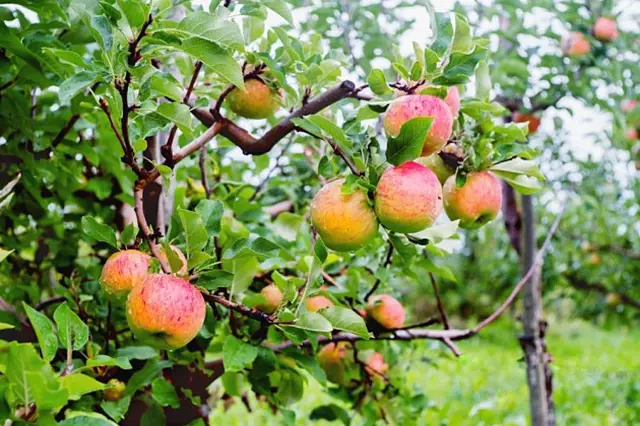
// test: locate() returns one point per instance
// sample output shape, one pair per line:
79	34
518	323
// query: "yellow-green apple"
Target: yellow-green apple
177	252
386	311
436	164
334	361
613	299
165	311
257	100
115	391
345	222
408	107
523	117
575	44
272	299
122	271
476	203
408	198
605	29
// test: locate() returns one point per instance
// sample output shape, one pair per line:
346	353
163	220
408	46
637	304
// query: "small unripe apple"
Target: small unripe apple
386	311
605	29
334	361
346	222
122	271
405	108
375	365
476	203
316	303
575	44
408	198
628	105
613	299
177	252
632	134
257	100
165	311
436	164
523	117
272	299
115	391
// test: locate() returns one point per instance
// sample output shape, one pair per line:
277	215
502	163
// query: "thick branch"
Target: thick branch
581	284
254	146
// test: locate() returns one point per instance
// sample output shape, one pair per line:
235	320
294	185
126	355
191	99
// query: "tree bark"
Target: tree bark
531	341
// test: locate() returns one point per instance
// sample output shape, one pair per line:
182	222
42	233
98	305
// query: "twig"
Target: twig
276	209
436	292
241	309
387	262
340	153
144	227
9	83
52	301
63	132
270	172
215	111
425	323
167	149
202	162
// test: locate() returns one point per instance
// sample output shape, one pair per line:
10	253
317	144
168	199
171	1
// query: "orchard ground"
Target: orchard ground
596	380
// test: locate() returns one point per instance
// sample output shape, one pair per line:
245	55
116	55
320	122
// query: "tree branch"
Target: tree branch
241	309
436	292
253	146
387	262
580	284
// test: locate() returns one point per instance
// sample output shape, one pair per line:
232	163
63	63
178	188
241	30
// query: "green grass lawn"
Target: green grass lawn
596	379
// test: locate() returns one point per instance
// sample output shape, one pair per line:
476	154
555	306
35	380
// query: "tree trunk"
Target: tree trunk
538	372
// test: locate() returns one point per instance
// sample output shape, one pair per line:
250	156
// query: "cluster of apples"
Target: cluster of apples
409	197
576	44
163	311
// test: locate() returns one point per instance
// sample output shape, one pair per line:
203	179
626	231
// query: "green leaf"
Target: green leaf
287	225
211	212
133	11
128	234
45	332
346	320
462	41
522	183
195	232
483	81
101	30
31	379
178	113
328	127
444	34
99	231
216	58
137	352
10	42
519	166
280	7
439	233
416	71
208	27
107	361
212	280
441	271
331	412
4	254
378	82
164	393
74	85
73	333
116	409
253	246
6	190
80	384
146	375
5	326
312	321
237	355
408	145
461	67
87	419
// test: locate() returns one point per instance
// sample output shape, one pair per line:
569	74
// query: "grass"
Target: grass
596	380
